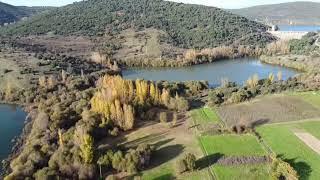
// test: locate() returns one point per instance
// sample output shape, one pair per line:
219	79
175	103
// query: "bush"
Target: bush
282	170
181	166
163	117
190	160
188	163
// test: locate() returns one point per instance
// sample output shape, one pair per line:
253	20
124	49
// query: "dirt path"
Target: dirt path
309	140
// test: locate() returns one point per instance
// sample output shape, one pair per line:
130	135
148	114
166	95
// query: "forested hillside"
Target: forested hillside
9	13
284	13
186	26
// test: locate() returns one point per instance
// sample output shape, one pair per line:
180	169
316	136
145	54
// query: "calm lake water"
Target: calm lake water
11	125
299	28
236	70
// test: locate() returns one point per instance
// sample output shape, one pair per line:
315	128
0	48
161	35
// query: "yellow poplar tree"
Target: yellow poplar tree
128	117
86	149
165	97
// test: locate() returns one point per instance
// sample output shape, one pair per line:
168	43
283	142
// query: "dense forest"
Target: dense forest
187	26
10	14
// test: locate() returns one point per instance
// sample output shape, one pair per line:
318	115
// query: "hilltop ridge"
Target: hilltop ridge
184	25
301	13
10	13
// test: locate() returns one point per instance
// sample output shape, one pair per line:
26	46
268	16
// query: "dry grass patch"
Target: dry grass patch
268	109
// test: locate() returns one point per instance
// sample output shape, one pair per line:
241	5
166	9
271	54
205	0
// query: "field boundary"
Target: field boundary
198	134
309	140
210	168
293	122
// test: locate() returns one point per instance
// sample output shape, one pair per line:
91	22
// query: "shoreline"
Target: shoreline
18	141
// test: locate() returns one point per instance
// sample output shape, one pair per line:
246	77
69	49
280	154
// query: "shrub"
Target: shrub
163	117
181	166
190	160
188	163
282	170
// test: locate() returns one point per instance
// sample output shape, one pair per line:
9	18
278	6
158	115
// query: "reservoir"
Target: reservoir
235	70
309	28
11	124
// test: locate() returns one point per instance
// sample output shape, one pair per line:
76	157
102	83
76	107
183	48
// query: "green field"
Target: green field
235	145
283	142
243	172
232	145
205	118
313	127
204	115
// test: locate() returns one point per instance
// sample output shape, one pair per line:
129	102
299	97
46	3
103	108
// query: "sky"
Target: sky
227	4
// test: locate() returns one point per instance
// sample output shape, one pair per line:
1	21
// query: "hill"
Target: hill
303	13
182	25
9	13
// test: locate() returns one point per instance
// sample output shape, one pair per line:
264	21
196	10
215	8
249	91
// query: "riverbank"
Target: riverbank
19	126
303	63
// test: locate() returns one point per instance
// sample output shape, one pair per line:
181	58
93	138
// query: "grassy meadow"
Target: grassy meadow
282	140
232	145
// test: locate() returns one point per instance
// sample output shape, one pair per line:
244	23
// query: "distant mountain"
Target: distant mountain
301	13
9	13
183	25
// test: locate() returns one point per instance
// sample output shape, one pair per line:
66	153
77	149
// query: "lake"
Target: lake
11	124
236	70
299	28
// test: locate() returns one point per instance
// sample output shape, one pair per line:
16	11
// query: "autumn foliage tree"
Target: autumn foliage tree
118	99
87	149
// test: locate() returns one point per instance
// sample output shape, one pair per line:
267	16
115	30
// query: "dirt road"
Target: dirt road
309	140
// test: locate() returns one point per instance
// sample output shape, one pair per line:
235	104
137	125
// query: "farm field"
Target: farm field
272	109
232	145
229	145
243	172
283	115
312	97
235	146
283	141
205	119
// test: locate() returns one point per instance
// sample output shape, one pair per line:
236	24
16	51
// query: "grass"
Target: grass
313	127
269	109
205	118
243	172
283	142
312	97
204	115
167	172
164	172
235	145
232	145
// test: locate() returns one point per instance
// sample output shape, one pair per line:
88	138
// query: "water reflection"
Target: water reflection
236	70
